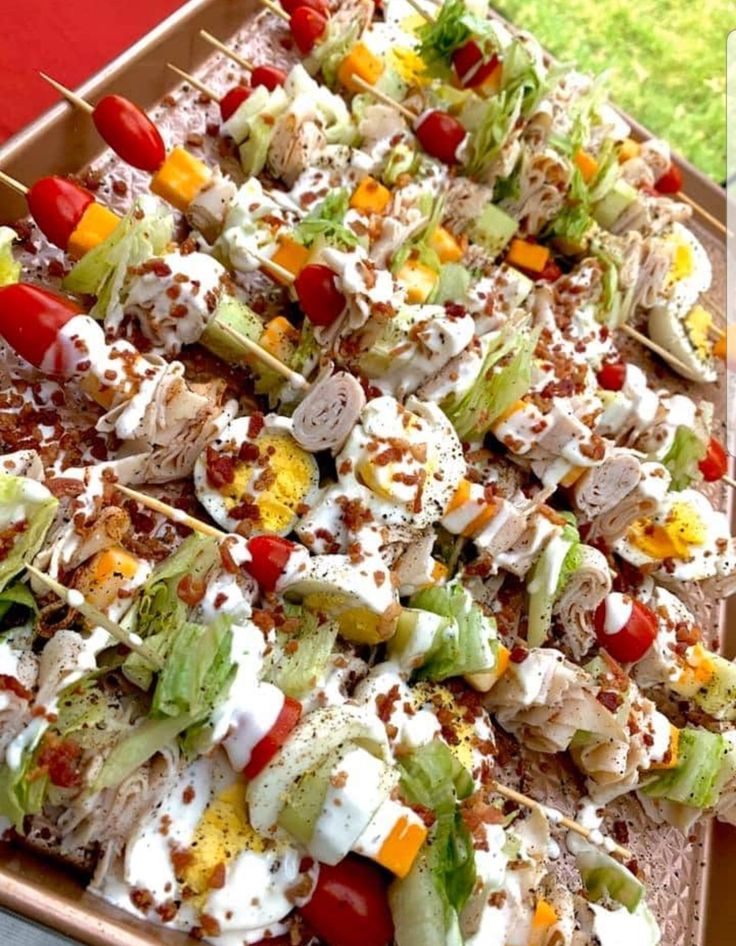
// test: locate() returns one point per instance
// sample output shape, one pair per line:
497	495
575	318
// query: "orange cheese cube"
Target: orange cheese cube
481	521
484	681
370	196
361	62
96	225
180	178
445	246
439	572
628	149
571	478
291	256
529	256
461	496
280	338
399	850
672	757
418	279
587	165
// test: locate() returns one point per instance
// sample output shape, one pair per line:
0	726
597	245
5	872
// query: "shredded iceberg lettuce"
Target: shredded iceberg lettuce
694	780
683	457
295	668
326	222
19	794
453	26
27	509
504	378
548	577
17	595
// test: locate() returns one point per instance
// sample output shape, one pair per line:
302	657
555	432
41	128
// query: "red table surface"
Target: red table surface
68	39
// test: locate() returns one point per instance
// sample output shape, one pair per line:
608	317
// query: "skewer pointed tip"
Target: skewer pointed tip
11	182
70	96
227	51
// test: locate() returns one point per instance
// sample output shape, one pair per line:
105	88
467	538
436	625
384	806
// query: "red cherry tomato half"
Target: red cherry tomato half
714	464
57	205
291	6
307	25
30	319
233	99
440	135
268	76
670	182
470	67
635	637
269	555
612	376
274	739
349	906
130	133
320	299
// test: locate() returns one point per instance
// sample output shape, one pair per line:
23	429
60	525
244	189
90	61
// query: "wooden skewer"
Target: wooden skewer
13	184
196	83
230	53
275	268
97	617
566	822
276	9
714	221
657	349
386	99
293	377
176	515
729	481
421	12
70	96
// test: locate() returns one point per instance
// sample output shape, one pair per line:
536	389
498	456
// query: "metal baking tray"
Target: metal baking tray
690	881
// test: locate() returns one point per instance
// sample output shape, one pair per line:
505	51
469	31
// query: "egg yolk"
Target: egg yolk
698	323
674	538
396	468
461	724
408	64
683	262
277	482
222	833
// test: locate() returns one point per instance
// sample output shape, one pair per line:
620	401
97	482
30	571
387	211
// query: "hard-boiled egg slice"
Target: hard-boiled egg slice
683	541
686	339
690	272
255	475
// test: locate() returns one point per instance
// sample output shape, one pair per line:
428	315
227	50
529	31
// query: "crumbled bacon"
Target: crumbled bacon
255	425
141	899
220	469
14	686
191	590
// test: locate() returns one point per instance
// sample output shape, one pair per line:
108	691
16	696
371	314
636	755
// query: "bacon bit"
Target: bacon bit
14	686
354	513
609	699
518	654
167	911
390	455
621	832
220	469
226	558
208	925
379	578
141	899
339	779
188	795
255	425
216	880
181	858
245	512
263	620
476	813
59	758
417	507
8	537
248	452
300	890
385	703
191	590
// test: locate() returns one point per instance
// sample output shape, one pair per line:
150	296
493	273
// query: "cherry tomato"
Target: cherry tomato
440	135
274	739
291	6
612	376
30	320
635	637
551	271
320	299
130	133
57	205
670	182
269	555
349	906
307	25
268	76
233	99
714	464
470	67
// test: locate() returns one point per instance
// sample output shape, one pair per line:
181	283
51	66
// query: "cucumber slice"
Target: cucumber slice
607	211
493	229
231	313
603	876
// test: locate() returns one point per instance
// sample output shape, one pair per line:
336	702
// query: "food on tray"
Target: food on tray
327	491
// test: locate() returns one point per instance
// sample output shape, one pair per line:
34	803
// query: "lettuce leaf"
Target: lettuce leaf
431	776
694	780
504	378
197	672
453	27
160	612
294	671
683	457
9	267
145	231
605	877
325	223
548	577
137	746
19	595
27	509
466	644
490	123
19	794
453	284
329	53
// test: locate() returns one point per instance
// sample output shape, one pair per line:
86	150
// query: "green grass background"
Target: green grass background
668	61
